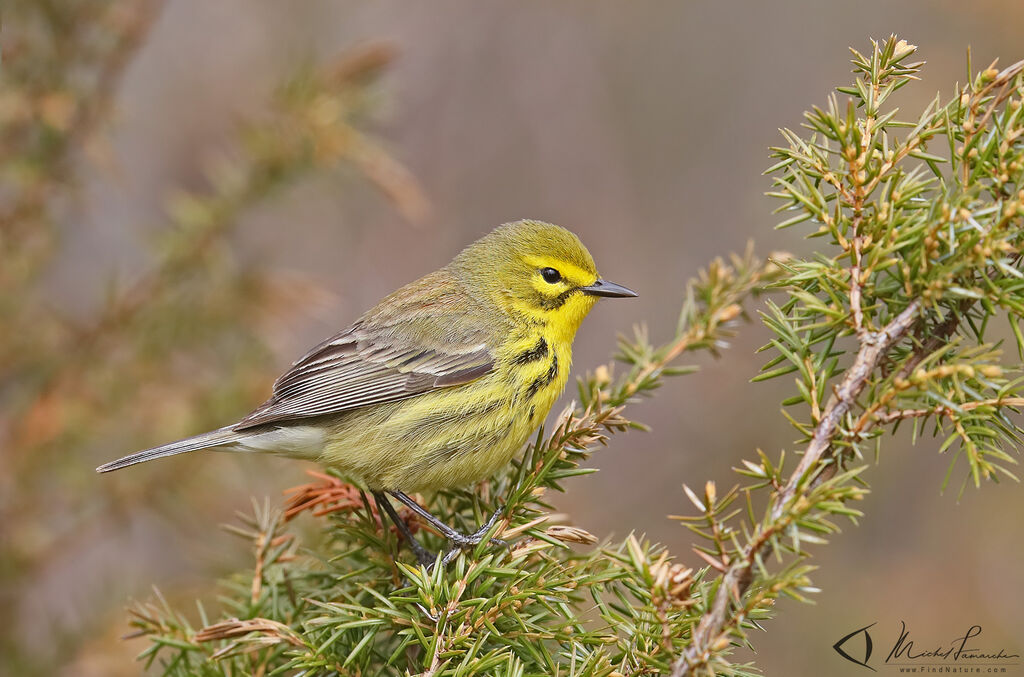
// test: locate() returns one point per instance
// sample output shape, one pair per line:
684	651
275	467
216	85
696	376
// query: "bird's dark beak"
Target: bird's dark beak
609	289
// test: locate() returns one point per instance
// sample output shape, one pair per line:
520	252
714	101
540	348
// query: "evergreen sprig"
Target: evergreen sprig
922	224
358	604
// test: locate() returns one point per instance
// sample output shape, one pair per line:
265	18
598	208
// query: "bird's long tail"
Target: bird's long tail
214	438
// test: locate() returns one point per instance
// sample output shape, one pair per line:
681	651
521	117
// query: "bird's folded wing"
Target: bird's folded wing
377	360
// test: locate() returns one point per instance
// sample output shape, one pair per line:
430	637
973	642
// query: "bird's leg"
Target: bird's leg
425	557
458	539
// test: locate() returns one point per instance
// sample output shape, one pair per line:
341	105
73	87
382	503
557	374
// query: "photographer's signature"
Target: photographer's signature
858	646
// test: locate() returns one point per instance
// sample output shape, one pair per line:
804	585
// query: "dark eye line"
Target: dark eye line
556	302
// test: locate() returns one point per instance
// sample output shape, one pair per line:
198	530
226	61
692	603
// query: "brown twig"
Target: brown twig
855	273
258	633
893	415
858	173
872	350
712	629
939	336
331	495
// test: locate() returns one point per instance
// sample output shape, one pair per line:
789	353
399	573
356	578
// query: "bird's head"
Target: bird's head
537	271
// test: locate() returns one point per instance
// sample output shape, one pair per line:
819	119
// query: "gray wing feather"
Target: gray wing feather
361	367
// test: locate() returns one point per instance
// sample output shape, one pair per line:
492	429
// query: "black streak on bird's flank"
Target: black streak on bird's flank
538	352
545	379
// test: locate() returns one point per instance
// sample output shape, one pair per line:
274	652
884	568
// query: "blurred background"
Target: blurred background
191	195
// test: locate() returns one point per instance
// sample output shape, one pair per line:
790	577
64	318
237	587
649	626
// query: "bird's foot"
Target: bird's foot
458	540
462	541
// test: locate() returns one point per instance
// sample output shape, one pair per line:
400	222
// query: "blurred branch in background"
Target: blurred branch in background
172	349
58	84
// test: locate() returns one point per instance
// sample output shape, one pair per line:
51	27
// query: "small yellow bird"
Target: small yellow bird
438	385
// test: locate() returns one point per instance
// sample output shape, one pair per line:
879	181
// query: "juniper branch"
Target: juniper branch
930	282
714	626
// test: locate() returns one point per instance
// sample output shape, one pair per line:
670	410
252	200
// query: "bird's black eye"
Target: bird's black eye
550	275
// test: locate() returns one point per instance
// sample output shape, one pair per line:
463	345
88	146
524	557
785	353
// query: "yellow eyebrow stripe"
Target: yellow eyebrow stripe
568	270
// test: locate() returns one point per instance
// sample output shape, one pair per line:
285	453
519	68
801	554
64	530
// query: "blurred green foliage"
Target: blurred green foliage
171	349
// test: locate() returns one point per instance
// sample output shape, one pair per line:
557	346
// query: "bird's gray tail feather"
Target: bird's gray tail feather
214	438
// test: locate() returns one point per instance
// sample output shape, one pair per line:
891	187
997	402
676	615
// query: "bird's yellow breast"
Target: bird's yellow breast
458	435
